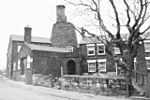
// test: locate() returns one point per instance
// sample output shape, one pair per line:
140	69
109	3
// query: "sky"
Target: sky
40	15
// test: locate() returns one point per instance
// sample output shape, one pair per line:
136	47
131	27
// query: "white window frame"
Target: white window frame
19	47
18	64
70	48
146	41
14	66
135	63
147	58
29	60
102	60
98	49
88	49
116	50
91	61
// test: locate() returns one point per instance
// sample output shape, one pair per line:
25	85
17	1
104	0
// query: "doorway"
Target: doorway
71	66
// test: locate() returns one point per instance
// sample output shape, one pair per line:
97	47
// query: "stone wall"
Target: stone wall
110	86
114	86
63	34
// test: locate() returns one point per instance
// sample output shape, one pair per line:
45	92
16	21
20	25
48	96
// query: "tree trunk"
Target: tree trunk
129	61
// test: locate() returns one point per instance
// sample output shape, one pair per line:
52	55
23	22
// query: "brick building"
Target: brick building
96	60
29	55
94	57
15	43
49	57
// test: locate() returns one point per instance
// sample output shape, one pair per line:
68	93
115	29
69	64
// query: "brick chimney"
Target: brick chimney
60	12
27	34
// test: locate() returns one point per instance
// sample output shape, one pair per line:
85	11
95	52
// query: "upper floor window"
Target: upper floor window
100	49
70	48
102	65
90	49
91	65
148	62
116	50
147	45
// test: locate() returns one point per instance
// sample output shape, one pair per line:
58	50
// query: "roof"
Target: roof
47	48
87	40
33	39
90	39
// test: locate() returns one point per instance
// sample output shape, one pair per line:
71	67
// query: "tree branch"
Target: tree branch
139	15
117	19
128	15
101	23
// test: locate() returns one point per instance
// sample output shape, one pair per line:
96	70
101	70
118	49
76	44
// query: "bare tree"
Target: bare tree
135	22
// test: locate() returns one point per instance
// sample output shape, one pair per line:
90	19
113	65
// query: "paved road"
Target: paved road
10	92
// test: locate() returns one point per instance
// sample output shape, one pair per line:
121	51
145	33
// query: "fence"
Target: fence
140	77
95	84
143	80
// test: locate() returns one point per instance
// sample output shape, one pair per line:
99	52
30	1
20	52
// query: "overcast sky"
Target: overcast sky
40	15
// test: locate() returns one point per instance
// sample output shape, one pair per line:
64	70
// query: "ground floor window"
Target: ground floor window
148	62
101	65
91	65
18	64
22	65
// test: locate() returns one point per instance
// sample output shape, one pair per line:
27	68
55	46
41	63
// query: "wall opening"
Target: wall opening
71	66
23	65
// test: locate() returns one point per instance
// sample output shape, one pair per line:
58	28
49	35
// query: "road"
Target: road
11	92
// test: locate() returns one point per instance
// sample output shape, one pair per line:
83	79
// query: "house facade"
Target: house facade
15	44
95	60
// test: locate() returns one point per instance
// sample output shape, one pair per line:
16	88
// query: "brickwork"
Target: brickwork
63	34
110	65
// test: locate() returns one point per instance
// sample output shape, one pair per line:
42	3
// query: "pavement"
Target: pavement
63	94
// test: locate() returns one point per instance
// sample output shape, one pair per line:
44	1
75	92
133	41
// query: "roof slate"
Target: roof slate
47	48
90	39
34	39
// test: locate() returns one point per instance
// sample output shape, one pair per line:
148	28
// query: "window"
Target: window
19	47
18	64
116	50
148	62
70	48
22	65
91	65
102	65
14	67
147	45
135	64
29	60
90	49
100	49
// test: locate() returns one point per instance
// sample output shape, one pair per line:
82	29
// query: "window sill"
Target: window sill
101	54
90	54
